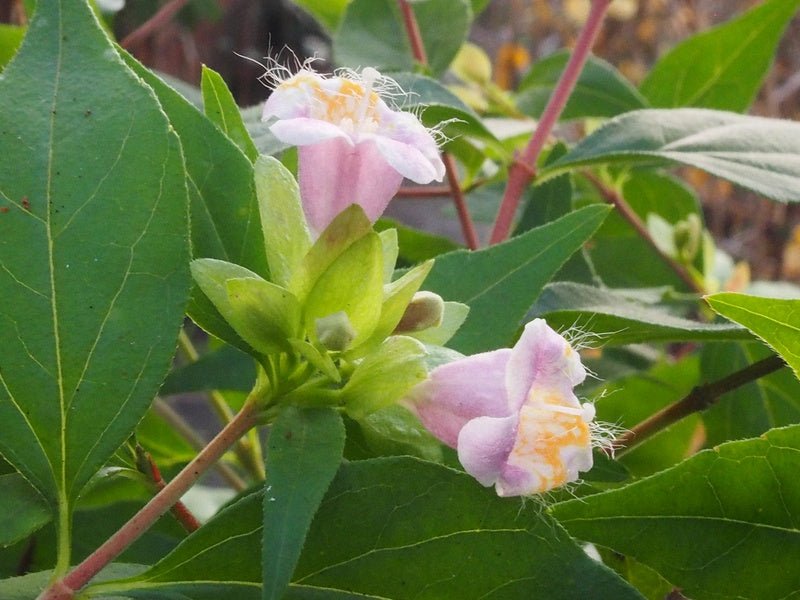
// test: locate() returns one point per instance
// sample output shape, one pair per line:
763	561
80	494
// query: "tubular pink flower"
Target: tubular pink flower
353	148
512	414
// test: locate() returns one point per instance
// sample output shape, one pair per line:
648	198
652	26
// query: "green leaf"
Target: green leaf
223	369
402	528
616	318
384	376
392	431
749	410
225	216
286	235
500	283
601	90
328	12
94	254
776	321
723	67
416	246
221	109
759	154
372	33
29	586
630	400
721	525
264	314
10	39
307	442
23	510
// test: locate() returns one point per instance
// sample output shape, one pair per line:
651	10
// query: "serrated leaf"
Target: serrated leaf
304	452
286	235
226	368
721	525
619	319
756	153
93	256
500	283
220	107
372	33
398	528
722	67
776	321
23	510
601	91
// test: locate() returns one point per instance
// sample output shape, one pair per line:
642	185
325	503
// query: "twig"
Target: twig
162	16
179	424
699	399
147	465
65	588
626	212
418	50
523	170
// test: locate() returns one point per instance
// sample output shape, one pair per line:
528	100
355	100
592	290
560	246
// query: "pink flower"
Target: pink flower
354	149
512	414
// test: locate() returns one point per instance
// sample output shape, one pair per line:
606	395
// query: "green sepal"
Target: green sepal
391	431
264	314
353	283
391	250
455	313
222	110
347	228
396	296
286	235
321	360
384	376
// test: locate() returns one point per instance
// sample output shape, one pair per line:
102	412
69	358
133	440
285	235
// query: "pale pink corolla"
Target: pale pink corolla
512	413
353	148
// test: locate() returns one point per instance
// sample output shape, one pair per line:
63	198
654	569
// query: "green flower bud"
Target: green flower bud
335	331
423	312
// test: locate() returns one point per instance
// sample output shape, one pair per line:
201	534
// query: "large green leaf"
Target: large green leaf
22	509
305	450
93	253
402	528
749	410
225	217
774	320
29	586
723	67
721	525
500	283
372	33
757	153
616	318
223	369
601	91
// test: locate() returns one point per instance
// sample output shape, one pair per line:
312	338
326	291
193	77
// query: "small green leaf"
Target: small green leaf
264	314
416	246
722	67
391	431
619	319
721	525
305	442
500	283
23	510
226	368
601	91
286	235
757	153
221	109
372	33
328	12
10	39
776	321
391	249
384	376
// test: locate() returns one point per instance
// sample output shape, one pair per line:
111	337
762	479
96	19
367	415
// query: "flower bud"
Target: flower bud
424	311
335	331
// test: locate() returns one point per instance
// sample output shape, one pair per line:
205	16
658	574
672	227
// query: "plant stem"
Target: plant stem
162	16
523	170
418	50
626	212
248	450
179	424
150	469
699	399
65	588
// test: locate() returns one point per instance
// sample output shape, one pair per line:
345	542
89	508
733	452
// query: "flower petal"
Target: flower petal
408	160
461	391
303	131
483	447
541	357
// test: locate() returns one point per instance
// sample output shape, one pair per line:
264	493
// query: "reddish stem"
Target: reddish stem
523	170
418	49
64	589
162	16
179	510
